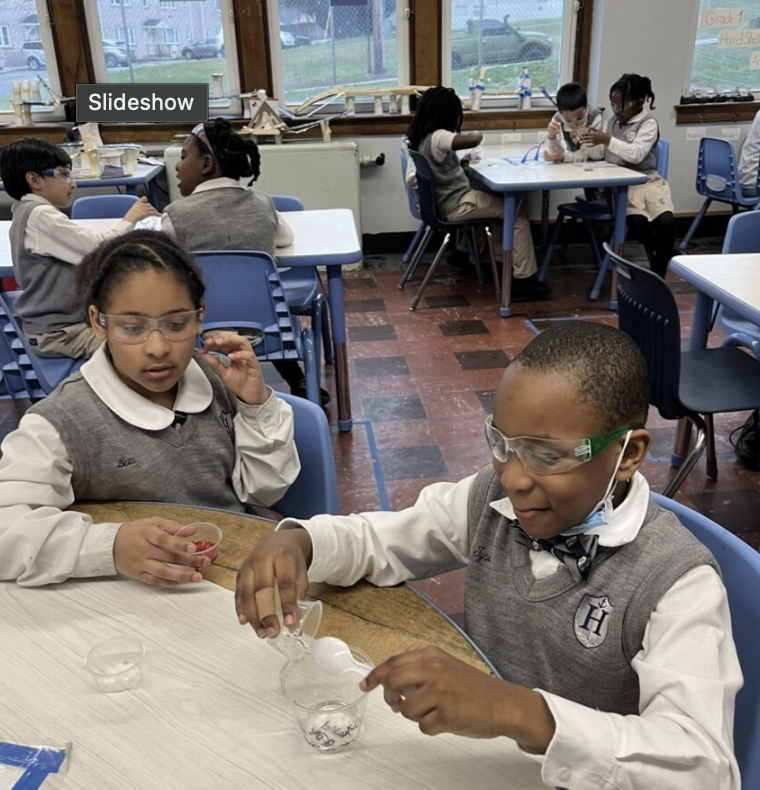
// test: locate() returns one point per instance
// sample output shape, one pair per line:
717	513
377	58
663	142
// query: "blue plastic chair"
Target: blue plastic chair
426	194
691	384
38	375
742	235
740	566
11	381
315	490
421	241
244	293
102	206
302	284
596	211
717	179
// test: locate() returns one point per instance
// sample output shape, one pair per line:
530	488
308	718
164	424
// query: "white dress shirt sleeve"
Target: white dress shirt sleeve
683	737
284	237
593	151
749	161
39	543
266	459
50	232
635	151
389	548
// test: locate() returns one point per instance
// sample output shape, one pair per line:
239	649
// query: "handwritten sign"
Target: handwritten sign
754	61
735	39
722	17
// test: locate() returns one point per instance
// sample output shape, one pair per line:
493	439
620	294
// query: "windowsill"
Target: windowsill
723	112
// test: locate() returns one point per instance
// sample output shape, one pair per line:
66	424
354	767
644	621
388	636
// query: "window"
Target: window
727	47
155	49
503	35
5	36
324	43
168	4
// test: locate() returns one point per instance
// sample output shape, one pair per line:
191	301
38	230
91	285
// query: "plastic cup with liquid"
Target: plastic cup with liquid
115	664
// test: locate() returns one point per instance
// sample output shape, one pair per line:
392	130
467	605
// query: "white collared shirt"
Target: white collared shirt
50	232
687	667
40	543
284	236
750	155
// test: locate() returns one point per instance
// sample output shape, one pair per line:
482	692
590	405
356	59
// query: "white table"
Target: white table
208	714
499	175
322	238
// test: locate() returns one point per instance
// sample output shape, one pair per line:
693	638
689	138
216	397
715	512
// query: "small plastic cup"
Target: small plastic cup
295	642
115	664
206	537
329	709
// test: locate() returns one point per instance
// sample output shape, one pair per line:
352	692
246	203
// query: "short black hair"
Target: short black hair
571	96
608	367
237	157
137	251
28	155
438	108
634	87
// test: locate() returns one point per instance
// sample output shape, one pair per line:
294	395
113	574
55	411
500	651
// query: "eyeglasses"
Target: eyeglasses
64	173
549	456
136	329
627	106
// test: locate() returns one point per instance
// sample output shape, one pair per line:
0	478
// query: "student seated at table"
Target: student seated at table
629	140
145	419
217	212
435	132
749	160
573	116
608	622
46	246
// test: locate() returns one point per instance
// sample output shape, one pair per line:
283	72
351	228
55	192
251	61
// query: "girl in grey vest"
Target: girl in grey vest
630	140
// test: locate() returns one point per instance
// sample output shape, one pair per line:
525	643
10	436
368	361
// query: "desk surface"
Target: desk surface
207	713
144	174
732	280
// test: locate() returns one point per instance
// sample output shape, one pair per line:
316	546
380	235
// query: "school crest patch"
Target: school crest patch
592	619
630	136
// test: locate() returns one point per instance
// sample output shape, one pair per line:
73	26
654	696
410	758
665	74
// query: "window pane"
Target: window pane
324	45
727	51
502	36
165	41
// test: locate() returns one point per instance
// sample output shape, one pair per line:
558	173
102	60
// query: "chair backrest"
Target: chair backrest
740	566
647	312
716	170
244	292
415	212
426	191
743	233
315	490
102	206
662	155
287	202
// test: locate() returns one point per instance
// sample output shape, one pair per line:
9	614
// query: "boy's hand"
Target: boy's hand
451	696
554	156
594	137
243	375
554	130
279	560
143	548
140	210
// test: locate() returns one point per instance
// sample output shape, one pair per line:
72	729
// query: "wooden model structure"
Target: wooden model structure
398	98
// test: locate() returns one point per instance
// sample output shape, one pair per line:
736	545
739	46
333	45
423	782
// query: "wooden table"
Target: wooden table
208	713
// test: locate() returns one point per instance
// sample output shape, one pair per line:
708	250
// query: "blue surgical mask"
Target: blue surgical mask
601	513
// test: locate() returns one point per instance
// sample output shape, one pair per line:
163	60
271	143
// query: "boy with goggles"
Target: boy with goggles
605	621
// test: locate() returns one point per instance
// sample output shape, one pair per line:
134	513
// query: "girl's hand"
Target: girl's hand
141	210
243	375
557	155
594	137
554	130
451	696
143	548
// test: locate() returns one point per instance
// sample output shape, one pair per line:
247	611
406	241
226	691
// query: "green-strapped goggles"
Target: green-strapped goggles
550	456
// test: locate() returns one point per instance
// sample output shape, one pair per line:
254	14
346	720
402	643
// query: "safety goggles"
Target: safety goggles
549	456
136	329
64	173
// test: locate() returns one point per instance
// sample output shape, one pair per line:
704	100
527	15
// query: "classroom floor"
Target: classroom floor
423	382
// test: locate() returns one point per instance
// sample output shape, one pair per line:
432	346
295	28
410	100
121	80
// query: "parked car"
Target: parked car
205	48
121	46
115	56
34	55
502	43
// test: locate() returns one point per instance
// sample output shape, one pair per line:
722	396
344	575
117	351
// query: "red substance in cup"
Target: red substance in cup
204	546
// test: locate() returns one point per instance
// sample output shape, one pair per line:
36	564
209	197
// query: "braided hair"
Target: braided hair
634	87
137	251
439	108
237	157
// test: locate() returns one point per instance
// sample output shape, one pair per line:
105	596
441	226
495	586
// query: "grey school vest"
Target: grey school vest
189	464
627	133
594	113
576	641
449	178
225	219
49	300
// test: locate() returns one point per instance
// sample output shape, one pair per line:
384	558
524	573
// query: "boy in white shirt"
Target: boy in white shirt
749	161
46	246
607	621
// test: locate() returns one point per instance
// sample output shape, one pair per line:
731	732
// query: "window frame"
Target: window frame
7	29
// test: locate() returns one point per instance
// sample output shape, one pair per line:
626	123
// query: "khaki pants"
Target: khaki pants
651	198
483	205
74	341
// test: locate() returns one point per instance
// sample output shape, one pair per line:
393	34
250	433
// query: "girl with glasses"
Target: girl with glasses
147	418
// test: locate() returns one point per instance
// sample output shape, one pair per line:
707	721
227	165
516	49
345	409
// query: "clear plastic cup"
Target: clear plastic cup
295	641
206	537
329	709
115	664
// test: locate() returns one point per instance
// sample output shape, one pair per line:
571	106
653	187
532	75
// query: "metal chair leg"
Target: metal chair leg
712	461
694	225
689	461
682	441
494	265
549	252
416	258
472	243
412	248
430	271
